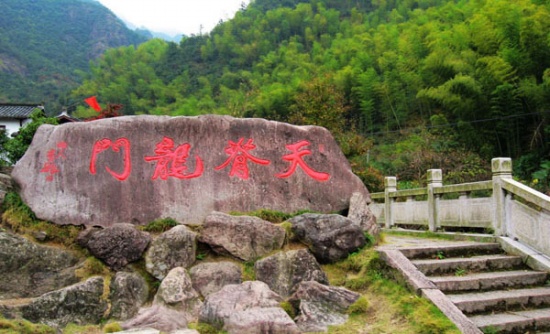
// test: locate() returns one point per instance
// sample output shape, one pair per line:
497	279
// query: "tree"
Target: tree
16	147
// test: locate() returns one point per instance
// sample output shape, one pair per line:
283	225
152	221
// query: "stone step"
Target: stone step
530	321
489	281
448	251
501	300
476	263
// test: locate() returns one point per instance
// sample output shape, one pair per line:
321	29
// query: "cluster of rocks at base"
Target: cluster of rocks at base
210	292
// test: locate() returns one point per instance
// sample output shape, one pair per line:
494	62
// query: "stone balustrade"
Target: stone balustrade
502	206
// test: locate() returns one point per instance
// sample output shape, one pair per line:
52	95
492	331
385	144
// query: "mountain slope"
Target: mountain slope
44	43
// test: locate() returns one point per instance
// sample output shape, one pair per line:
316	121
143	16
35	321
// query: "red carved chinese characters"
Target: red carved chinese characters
50	166
239	155
296	158
105	144
172	162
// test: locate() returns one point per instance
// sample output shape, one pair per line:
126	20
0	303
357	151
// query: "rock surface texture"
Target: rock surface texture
360	214
283	271
244	237
116	245
135	169
176	291
128	292
29	270
256	320
321	305
211	277
219	306
176	247
329	237
80	303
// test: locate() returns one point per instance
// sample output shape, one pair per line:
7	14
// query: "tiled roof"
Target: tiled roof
17	110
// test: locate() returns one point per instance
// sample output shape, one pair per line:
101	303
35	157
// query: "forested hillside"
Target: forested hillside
403	85
43	43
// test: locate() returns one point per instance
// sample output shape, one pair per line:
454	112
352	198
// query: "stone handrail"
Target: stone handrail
511	209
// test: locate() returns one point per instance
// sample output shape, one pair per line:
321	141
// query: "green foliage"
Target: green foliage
112	327
361	305
160	225
289	309
403	86
364	272
92	267
204	328
275	217
459	272
20	219
15	148
248	271
45	46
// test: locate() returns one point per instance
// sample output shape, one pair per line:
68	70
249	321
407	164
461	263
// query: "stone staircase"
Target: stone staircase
478	286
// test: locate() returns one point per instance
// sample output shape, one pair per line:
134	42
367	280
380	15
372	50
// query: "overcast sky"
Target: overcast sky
174	17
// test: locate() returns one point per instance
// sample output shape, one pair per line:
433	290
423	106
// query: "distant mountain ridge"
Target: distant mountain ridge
44	44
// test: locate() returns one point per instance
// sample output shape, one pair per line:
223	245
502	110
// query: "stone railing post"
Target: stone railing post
390	185
502	169
435	179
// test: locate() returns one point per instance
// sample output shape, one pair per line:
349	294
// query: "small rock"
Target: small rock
210	277
272	320
243	237
321	305
117	245
329	237
219	306
176	247
283	271
176	292
158	317
129	292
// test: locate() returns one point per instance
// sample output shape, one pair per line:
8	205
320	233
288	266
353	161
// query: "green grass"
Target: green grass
385	305
18	326
272	216
160	225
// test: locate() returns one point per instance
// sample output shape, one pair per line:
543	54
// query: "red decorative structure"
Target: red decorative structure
296	158
105	144
239	155
172	162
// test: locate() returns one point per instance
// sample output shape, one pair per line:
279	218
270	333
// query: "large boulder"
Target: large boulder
219	306
176	247
283	271
211	277
321	305
330	237
128	292
81	304
135	169
30	270
243	237
116	245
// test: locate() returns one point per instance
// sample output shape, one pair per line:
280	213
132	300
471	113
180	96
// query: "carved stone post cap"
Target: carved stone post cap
390	182
435	176
501	166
